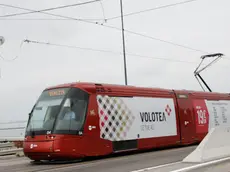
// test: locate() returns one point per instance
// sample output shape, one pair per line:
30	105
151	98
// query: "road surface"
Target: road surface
122	163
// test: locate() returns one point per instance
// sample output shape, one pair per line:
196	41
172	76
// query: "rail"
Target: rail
11	137
9	149
6	145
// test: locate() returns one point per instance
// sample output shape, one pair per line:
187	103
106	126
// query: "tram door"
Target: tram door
187	122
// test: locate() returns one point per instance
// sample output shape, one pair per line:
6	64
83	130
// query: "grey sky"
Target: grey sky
202	25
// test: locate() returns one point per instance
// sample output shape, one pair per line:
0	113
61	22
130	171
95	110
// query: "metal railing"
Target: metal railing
9	149
10	133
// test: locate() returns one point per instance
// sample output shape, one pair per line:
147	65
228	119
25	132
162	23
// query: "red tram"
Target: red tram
77	120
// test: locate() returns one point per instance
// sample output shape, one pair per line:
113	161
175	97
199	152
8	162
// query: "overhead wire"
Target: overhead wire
103	10
50	14
161	40
152	9
106	19
128	31
16	57
108	51
115	17
70	46
47	9
112	27
48	19
101	50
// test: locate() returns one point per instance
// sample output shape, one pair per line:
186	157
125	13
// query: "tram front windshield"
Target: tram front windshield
59	111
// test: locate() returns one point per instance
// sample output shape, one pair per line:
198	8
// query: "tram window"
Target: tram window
73	113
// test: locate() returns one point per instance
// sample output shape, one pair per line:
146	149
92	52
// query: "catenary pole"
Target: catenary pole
123	39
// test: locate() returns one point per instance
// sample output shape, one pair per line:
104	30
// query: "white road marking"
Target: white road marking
201	165
155	167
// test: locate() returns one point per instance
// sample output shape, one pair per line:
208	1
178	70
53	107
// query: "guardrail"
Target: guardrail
15	151
9	149
6	145
13	134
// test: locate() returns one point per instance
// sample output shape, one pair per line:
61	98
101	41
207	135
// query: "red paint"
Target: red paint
189	128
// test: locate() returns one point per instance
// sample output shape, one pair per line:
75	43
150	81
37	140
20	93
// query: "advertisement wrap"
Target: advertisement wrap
210	114
219	113
128	118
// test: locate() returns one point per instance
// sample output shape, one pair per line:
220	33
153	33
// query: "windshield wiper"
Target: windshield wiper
33	134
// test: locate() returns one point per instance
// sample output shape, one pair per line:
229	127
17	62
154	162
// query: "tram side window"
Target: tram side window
73	112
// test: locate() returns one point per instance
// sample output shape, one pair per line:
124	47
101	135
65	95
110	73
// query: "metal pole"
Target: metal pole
123	38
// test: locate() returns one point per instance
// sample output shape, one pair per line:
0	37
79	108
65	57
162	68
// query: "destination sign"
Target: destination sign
57	92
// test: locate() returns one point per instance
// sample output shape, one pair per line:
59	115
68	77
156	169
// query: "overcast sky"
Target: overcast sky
203	24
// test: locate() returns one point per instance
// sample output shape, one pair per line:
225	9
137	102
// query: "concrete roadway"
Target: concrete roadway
154	161
126	163
220	167
190	167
